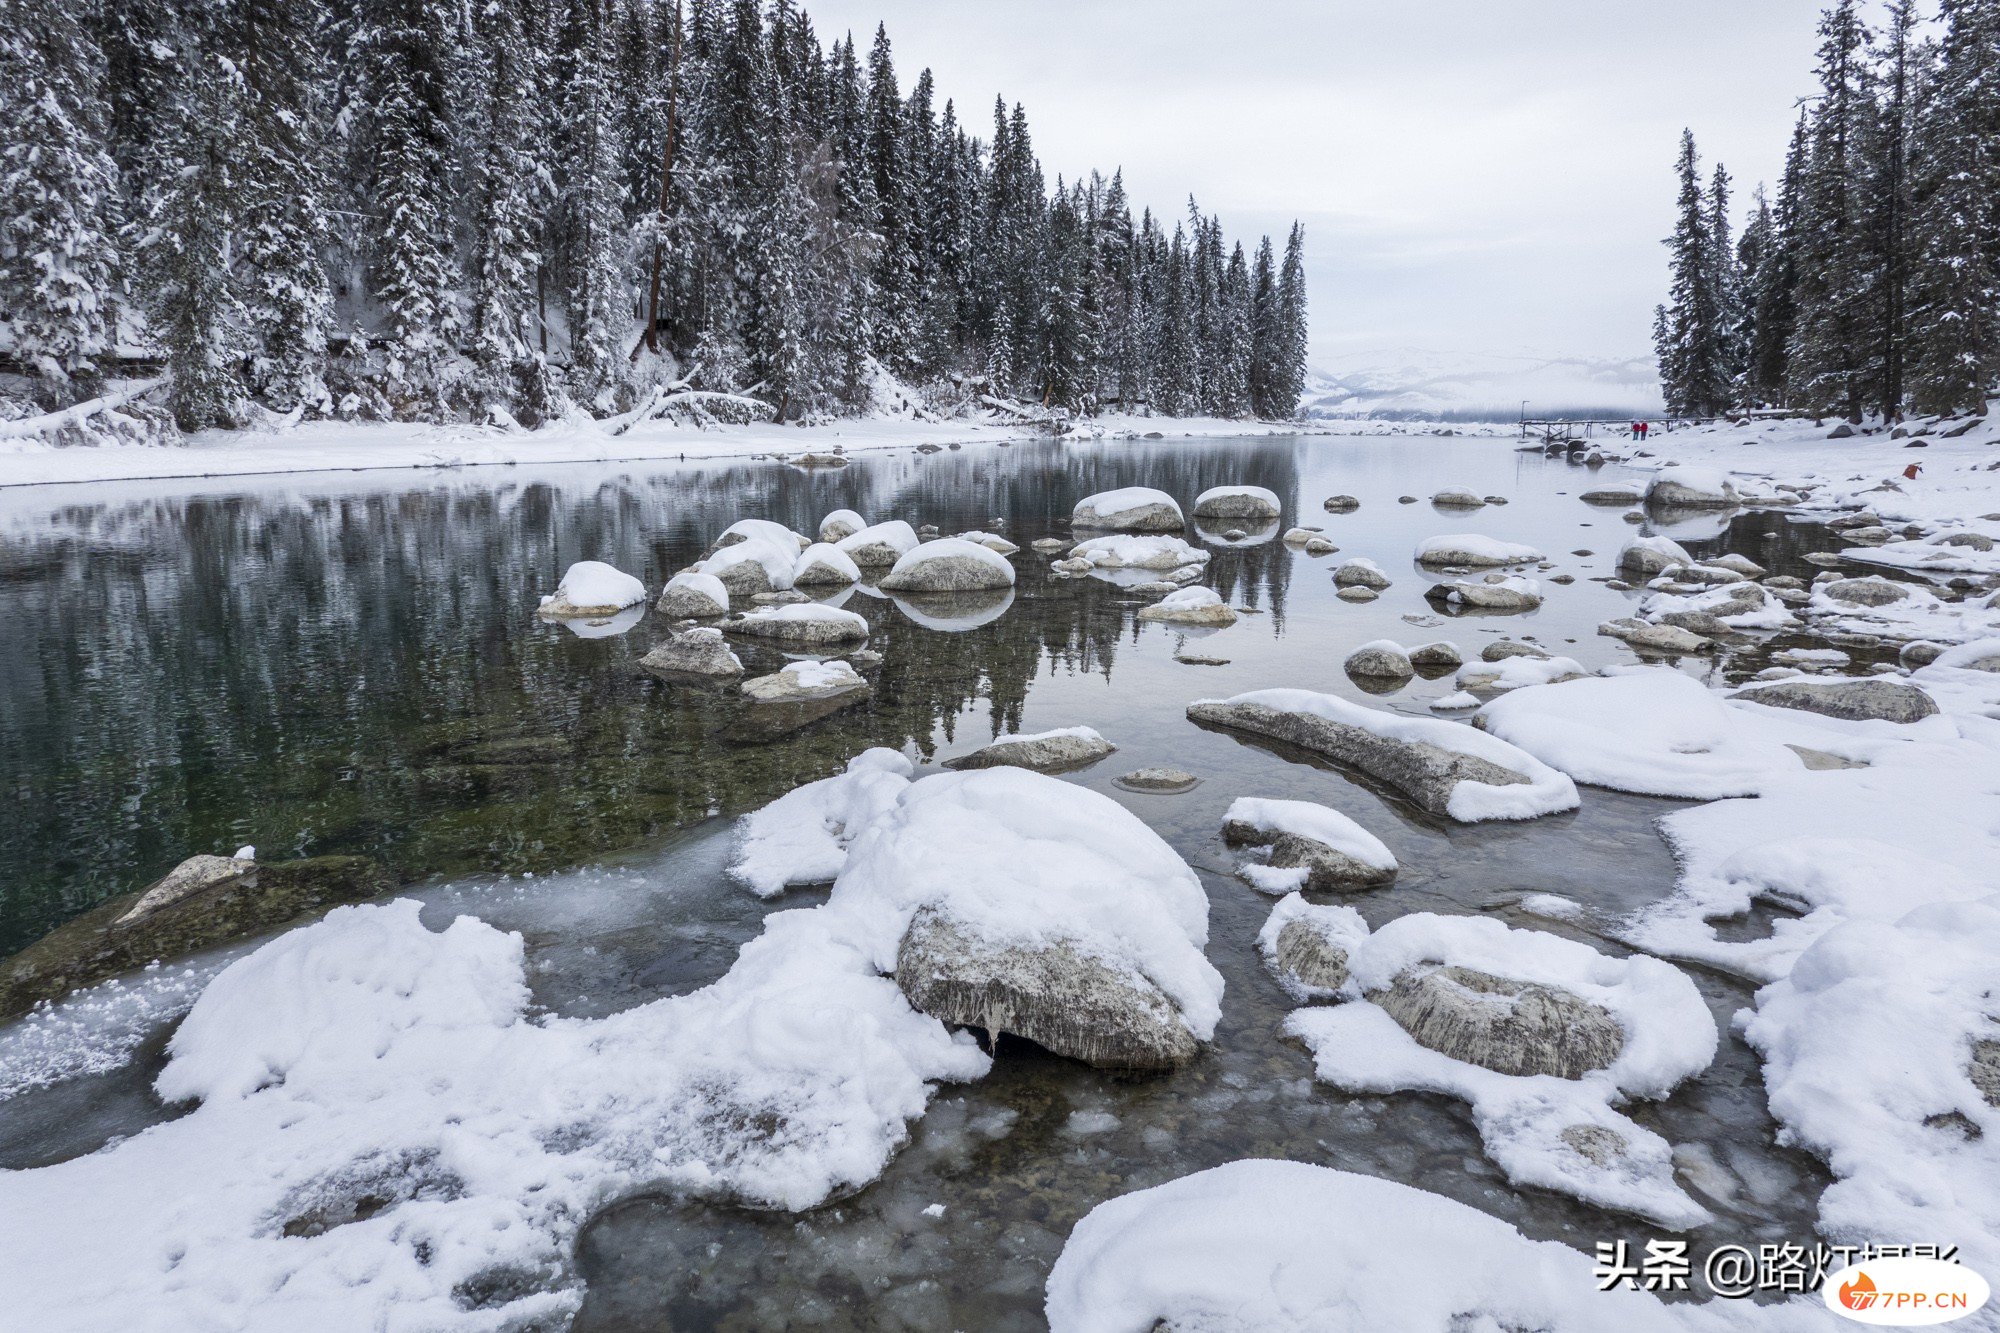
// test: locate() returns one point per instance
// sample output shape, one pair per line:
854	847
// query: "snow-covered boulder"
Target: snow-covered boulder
1515	673
1869	591
1311	846
1139	553
1340	504
592	588
1501	649
1457	497
1472	549
949	564
1057	751
880	544
1613	495
1191	606
1131	509
701	652
760	529
802	837
1854	700
1543	1036
690	595
1434	659
1495	594
807	682
804	624
1043	909
992	541
1668	640
1360	572
1645	557
1692	488
1236	502
1382	658
1655	732
839	525
1306	946
1446	769
752	565
823	565
1266	1246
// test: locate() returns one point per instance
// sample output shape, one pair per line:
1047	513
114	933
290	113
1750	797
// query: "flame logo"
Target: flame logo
1858	1294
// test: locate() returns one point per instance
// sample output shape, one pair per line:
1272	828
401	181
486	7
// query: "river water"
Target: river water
334	664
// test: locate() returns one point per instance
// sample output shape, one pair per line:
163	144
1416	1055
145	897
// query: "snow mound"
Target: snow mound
1517	673
1929	556
592	585
802	837
1653	731
1542	1131
1867	1049
1307	819
1260	1246
1139	553
1471	548
380	1091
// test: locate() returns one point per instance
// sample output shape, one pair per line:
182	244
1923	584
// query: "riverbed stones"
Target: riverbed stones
1426	773
1866	591
700	653
1852	700
1049	992
1047	752
1380	659
1513	1027
1162	781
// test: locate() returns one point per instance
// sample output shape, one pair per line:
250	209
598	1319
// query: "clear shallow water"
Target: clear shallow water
336	666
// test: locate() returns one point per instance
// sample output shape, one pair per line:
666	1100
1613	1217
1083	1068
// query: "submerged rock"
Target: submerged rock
1052	993
1164	780
1508	1026
1044	752
1853	700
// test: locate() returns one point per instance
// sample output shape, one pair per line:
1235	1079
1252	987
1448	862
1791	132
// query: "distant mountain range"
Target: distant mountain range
1407	383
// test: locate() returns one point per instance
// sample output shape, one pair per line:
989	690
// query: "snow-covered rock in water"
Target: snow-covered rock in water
880	544
1306	946
1311	846
1132	509
803	624
1613	495
195	875
700	652
389	1134
1501	649
761	529
1645	557
1360	572
1958	552
823	565
1381	658
1854	700
1446	769
1472	549
1979	655
808	682
1692	488
1457	497
1737	564
1046	910
1261	1246
1191	606
1882	1056
1436	658
1869	591
1655	732
1139	553
949	564
840	525
1736	606
1509	594
1645	638
1236	502
1340	504
803	836
1169	781
1541	1035
693	596
991	541
755	564
1056	751
1515	673
1299	536
592	588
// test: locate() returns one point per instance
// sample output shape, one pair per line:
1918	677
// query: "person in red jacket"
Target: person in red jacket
1910	472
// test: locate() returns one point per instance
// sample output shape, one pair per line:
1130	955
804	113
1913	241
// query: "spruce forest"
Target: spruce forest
420	210
1871	286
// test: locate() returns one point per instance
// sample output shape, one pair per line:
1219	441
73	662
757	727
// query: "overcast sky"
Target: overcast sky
1478	175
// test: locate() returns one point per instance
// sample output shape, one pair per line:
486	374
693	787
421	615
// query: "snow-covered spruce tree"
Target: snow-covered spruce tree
1830	358
59	200
1753	251
1264	329
511	193
595	240
1954	356
1694	373
889	168
1233	397
1730	317
399	111
1886	193
1288	372
1771	298
1177	377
